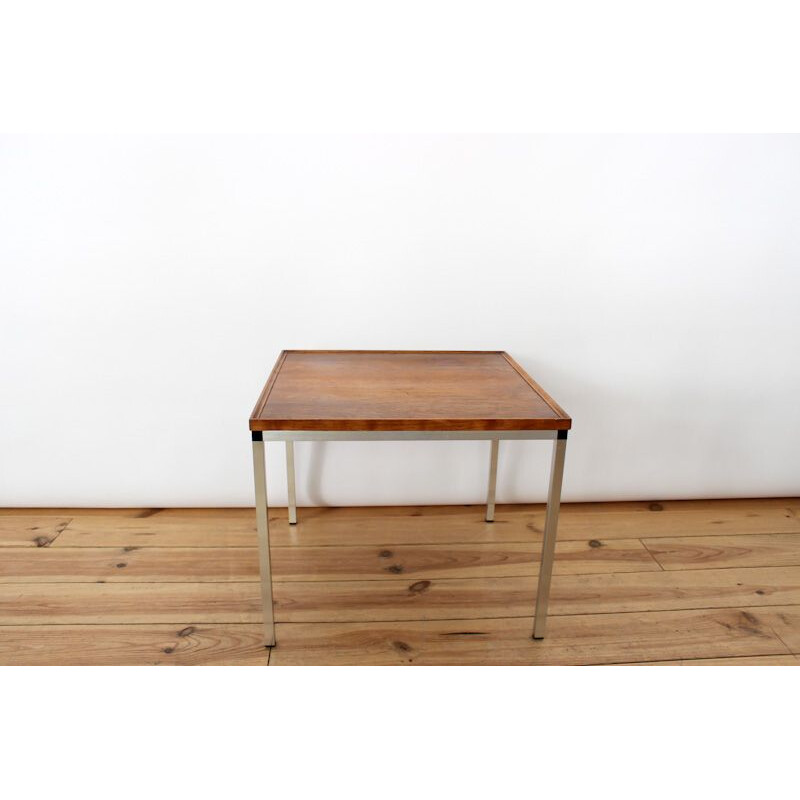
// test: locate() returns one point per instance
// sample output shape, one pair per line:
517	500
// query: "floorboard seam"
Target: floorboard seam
411	620
683	661
780	639
289	581
59	531
133	542
644	544
192	621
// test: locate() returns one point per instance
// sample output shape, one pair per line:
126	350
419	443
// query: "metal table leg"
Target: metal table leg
490	494
550	529
260	476
292	500
289	437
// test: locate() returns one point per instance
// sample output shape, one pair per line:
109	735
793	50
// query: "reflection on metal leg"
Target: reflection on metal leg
260	476
492	481
550	529
292	500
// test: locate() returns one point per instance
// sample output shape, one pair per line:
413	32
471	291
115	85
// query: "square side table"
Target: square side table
379	395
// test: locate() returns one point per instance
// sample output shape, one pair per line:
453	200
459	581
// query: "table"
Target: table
378	395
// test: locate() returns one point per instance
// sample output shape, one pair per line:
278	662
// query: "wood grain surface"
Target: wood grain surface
662	582
407	525
302	563
583	639
403	391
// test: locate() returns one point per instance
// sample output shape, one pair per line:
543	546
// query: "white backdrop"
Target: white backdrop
649	283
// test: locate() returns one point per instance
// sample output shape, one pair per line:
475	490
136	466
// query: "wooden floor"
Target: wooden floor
697	582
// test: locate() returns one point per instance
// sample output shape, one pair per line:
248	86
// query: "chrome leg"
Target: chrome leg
550	529
292	500
492	481
260	476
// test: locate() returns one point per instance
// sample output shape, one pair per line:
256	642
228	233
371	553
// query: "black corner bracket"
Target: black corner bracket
562	434
258	436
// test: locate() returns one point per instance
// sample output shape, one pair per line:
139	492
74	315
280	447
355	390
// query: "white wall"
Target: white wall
651	284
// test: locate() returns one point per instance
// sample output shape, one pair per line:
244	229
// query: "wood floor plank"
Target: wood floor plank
34	645
159	531
30	531
703	552
589	639
417	525
686	523
429	562
348	601
167	564
128	564
7	511
245	512
521	522
132	603
667	507
512	597
735	661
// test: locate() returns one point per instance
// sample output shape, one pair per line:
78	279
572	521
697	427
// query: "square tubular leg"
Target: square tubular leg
260	477
550	530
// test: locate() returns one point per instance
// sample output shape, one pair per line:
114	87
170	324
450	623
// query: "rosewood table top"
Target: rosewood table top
403	390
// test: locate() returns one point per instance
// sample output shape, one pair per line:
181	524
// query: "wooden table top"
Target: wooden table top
403	390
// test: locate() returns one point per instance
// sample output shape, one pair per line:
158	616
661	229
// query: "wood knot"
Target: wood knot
531	527
402	646
595	543
760	591
169	650
121	565
656	507
41	541
187	631
419	587
130	548
385	554
395	569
